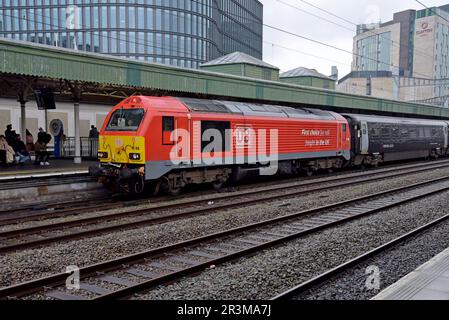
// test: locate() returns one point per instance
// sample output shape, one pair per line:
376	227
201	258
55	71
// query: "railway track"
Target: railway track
324	277
25	238
32	182
123	277
49	210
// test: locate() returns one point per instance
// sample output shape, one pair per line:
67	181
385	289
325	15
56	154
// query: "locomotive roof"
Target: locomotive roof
251	109
383	119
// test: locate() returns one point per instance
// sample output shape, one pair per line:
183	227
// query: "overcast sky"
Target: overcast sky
280	15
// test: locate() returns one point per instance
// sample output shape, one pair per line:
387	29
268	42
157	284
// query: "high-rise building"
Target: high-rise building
178	32
405	58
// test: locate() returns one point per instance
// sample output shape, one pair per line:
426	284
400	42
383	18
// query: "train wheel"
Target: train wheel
174	191
139	185
155	188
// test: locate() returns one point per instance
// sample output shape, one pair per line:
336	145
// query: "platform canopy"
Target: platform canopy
82	76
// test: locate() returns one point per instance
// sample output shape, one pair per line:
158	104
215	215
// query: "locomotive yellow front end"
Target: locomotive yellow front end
127	150
121	149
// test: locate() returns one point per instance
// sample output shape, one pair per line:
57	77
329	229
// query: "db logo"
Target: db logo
243	136
425	25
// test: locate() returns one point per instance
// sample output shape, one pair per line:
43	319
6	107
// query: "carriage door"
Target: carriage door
364	141
446	137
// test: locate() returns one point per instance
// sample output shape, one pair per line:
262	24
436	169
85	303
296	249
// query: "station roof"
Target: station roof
103	75
303	72
238	58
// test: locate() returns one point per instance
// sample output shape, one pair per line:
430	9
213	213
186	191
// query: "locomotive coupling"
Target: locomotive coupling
95	171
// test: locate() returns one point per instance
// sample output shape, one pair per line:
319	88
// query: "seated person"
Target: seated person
20	150
6	152
41	153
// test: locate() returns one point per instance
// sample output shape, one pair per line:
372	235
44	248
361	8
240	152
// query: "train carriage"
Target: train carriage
377	139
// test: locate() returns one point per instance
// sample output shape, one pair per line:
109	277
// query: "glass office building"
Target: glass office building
185	33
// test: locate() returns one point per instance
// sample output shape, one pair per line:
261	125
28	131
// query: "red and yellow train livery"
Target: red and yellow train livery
173	142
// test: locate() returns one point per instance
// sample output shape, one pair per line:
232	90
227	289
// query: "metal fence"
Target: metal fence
89	148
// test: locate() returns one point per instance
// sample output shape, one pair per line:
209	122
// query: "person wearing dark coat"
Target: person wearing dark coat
21	150
10	134
93	133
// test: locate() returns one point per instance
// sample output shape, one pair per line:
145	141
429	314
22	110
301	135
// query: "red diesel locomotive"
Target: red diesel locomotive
172	142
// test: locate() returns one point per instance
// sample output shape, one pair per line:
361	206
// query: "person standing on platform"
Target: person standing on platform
10	134
93	133
93	141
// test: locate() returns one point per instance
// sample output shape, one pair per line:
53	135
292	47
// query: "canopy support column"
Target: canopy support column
76	109
23	119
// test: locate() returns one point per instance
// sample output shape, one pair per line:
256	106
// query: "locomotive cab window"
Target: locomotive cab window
125	120
168	126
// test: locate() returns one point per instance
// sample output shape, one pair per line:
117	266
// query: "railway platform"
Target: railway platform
428	282
59	167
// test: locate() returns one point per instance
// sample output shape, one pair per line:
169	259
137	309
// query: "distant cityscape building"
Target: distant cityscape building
404	59
185	33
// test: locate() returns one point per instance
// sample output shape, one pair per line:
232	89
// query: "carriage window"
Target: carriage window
374	132
220	128
344	127
434	132
421	133
404	133
385	132
395	132
125	120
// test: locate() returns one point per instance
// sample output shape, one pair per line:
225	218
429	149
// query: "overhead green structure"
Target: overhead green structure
308	77
25	59
242	64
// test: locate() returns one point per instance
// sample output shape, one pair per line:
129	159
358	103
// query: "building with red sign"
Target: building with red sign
405	58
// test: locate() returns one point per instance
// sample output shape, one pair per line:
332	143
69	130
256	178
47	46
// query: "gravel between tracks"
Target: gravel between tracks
266	274
29	264
393	264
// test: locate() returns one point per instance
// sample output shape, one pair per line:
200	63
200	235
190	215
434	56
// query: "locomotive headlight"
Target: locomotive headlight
134	156
102	155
